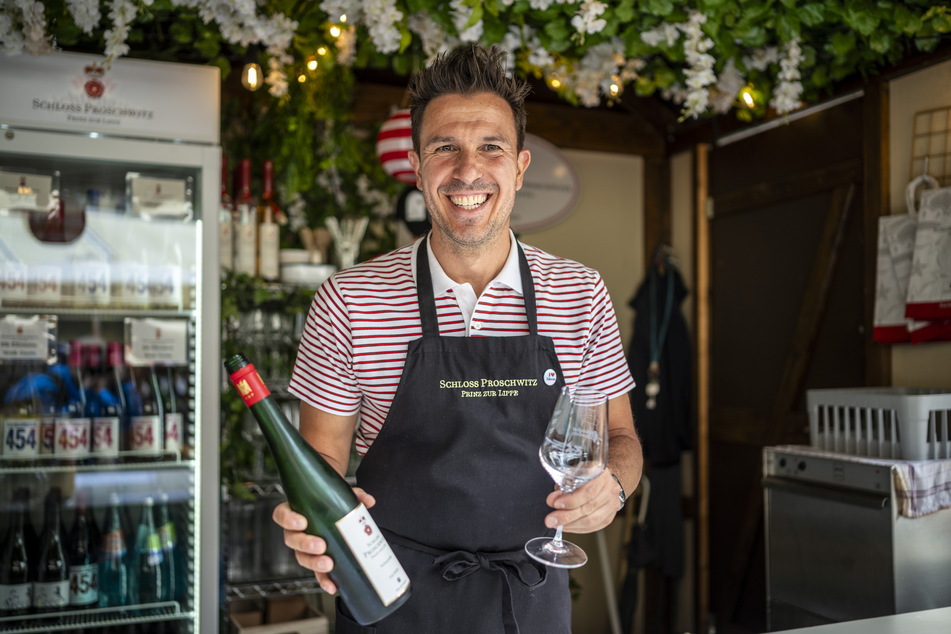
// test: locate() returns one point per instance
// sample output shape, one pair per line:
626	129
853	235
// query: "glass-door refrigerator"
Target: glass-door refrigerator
109	345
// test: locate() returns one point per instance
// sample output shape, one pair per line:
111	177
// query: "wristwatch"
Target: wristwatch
621	497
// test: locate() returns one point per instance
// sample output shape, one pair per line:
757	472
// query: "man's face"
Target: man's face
469	168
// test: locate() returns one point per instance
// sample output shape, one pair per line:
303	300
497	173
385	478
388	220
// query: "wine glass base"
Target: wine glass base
567	555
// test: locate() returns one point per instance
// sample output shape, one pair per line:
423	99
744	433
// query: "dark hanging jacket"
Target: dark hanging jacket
666	430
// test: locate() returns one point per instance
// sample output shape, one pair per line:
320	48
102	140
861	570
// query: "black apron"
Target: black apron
458	482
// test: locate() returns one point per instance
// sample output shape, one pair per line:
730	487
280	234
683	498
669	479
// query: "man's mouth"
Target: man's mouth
469	202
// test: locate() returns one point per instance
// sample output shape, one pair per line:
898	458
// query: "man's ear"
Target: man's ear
414	163
524	159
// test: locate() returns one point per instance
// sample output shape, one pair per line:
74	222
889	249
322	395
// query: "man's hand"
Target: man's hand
587	509
311	551
593	505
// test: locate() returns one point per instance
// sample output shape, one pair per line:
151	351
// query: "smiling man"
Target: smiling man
469	165
444	359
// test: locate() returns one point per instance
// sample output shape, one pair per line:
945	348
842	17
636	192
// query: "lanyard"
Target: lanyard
658	333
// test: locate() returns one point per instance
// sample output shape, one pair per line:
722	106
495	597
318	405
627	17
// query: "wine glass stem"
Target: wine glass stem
556	542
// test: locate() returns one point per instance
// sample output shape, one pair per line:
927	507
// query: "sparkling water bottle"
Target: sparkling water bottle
113	563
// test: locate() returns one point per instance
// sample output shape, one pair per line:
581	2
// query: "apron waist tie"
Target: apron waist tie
460	563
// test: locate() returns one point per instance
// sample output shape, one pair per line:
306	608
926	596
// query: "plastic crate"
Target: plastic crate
896	422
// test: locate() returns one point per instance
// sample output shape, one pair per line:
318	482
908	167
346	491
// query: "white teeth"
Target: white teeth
469	202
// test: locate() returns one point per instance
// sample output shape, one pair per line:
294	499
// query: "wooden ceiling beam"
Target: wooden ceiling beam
599	130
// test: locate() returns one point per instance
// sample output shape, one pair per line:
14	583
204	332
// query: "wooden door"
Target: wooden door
788	312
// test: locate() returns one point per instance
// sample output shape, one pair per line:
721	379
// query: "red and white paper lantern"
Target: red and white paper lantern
393	144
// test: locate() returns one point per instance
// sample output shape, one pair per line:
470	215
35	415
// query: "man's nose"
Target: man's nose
469	166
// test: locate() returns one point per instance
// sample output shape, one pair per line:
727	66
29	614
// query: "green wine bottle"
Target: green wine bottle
370	578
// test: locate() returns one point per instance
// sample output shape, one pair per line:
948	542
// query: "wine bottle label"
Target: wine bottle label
47	436
113	545
84	584
146	434
105	437
17	596
72	438
374	554
52	594
249	385
44	284
246	249
21	438
93	286
174	422
154	554
226	242
165	286
133	284
169	535
270	246
13	282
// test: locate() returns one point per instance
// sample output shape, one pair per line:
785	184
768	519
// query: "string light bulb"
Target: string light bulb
554	82
747	96
334	31
311	63
615	86
322	50
251	76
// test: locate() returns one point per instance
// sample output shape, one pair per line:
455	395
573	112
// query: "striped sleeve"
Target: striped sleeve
575	309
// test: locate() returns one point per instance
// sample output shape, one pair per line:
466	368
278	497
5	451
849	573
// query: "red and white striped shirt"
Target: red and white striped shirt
362	319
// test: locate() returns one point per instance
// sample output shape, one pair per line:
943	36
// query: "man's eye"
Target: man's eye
492	148
445	148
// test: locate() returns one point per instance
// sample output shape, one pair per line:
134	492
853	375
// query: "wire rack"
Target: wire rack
931	145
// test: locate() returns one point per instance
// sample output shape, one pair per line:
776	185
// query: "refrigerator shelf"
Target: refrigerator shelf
99	313
96	617
171	460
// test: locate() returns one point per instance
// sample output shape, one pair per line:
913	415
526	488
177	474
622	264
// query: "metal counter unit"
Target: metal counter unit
837	546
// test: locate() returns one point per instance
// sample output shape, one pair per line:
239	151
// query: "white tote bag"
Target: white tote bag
929	286
893	270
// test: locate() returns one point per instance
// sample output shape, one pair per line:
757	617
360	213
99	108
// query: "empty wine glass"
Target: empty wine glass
574	451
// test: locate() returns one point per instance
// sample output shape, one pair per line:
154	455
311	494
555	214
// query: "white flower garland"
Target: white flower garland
587	20
729	84
24	28
380	16
85	13
32	37
433	37
121	12
786	95
461	13
699	73
598	74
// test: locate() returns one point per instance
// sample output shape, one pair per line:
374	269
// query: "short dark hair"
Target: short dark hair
468	71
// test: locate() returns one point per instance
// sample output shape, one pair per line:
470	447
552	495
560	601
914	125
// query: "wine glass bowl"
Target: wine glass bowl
574	450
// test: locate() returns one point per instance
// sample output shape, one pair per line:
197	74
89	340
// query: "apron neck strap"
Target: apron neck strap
427	301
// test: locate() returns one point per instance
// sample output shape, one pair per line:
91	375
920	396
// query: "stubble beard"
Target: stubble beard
469	243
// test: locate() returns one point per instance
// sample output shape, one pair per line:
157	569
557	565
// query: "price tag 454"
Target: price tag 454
72	437
21	438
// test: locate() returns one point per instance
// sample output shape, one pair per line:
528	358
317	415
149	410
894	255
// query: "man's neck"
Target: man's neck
477	267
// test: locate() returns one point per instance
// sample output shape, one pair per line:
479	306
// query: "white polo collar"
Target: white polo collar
508	276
